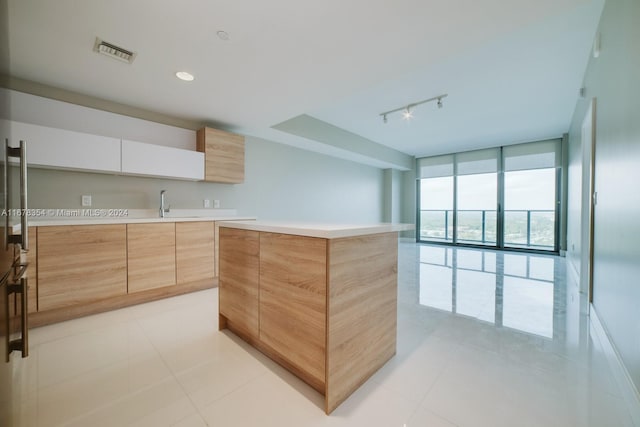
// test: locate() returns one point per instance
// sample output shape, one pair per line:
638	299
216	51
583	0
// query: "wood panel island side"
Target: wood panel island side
321	300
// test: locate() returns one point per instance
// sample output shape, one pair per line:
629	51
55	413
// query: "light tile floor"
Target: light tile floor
485	338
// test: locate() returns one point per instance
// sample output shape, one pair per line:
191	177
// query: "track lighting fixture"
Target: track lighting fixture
407	112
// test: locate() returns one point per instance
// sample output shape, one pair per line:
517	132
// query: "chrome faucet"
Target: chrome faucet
163	210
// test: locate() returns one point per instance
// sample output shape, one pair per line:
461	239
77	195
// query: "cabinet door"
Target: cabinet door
224	155
59	148
31	275
156	160
195	253
80	263
238	293
32	271
151	255
293	278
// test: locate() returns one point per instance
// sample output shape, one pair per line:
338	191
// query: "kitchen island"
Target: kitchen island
321	300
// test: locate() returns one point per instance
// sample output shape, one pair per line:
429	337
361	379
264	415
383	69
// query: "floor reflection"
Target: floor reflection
517	291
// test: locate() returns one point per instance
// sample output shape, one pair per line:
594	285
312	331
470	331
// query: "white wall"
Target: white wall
612	79
43	111
574	202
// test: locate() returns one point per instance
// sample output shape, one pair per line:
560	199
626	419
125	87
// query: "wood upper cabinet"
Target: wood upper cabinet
293	301
80	263
151	255
239	280
195	251
224	155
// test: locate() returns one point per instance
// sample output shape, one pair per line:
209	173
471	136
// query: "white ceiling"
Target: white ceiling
512	68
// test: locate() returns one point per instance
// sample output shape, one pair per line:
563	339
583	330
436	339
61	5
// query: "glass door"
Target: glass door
477	197
477	201
531	195
529	209
435	199
436	209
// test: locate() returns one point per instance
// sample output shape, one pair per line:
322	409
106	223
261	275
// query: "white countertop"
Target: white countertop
89	216
103	221
321	230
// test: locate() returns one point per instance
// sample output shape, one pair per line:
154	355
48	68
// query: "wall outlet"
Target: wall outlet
216	204
86	200
206	203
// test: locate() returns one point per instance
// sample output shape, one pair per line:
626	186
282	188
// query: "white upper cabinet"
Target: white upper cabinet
64	149
156	160
55	148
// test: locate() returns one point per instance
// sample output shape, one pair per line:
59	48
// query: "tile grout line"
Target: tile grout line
182	387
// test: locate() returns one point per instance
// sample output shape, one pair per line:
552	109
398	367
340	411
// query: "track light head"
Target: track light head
407	114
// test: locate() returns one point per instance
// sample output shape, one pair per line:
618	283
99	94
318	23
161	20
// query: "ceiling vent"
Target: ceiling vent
113	51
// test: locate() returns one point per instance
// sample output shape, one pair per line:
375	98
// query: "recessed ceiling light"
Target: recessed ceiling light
183	75
223	35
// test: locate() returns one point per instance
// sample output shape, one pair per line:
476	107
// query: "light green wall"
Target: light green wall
612	79
317	130
409	195
281	182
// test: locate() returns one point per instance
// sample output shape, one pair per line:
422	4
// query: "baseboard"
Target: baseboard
574	268
626	385
47	317
573	276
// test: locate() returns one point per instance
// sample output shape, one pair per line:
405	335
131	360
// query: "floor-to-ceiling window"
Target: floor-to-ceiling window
476	197
435	192
502	197
529	208
530	195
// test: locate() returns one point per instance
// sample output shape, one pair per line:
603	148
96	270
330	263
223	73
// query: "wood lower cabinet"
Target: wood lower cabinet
31	275
151	256
80	263
76	270
325	309
195	251
32	271
239	281
362	307
293	296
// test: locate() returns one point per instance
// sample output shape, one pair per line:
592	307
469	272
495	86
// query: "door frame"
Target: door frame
589	199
